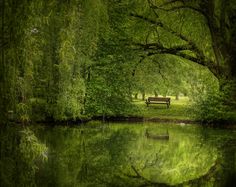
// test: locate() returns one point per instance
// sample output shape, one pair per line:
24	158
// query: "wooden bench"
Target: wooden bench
157	136
158	100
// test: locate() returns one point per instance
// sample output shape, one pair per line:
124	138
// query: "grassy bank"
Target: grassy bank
179	109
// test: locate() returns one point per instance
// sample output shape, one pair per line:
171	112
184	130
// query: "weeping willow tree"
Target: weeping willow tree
45	49
13	20
57	53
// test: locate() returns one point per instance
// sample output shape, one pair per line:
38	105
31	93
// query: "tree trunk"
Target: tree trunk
177	96
2	70
143	96
155	93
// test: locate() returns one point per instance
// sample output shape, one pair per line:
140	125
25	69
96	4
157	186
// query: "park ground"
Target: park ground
179	110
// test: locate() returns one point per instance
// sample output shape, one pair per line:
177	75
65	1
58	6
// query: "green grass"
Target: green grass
179	109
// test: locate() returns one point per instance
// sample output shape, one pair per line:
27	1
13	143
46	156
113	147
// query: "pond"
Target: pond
117	154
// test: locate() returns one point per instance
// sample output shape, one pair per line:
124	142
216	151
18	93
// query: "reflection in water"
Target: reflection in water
21	155
117	155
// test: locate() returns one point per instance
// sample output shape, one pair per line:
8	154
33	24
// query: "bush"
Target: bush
214	108
23	112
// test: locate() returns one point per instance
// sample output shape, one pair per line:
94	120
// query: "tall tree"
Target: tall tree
13	21
199	31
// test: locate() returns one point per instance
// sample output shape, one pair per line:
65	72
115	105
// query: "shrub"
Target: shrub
214	108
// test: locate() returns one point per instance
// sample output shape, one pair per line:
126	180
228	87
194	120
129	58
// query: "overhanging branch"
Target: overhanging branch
157	23
160	48
209	64
179	7
151	49
168	29
189	46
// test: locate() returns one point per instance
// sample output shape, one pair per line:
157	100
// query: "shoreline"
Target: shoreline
129	119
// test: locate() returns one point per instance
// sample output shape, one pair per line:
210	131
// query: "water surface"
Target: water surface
117	154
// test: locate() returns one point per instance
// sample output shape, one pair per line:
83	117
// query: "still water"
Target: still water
117	154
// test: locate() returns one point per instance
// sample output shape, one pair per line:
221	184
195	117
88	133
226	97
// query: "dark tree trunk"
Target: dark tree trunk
224	45
2	68
143	96
155	93
177	96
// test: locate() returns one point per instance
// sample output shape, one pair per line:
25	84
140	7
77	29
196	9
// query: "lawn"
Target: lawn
179	109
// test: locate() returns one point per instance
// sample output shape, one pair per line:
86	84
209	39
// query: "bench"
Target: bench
157	136
158	100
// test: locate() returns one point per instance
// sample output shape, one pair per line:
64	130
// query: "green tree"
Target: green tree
201	32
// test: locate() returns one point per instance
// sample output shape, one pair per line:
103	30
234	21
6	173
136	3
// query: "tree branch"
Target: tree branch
157	23
189	46
168	29
172	2
136	65
180	8
160	48
209	64
155	49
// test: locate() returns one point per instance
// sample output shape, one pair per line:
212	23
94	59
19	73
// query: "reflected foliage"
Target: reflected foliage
20	157
118	155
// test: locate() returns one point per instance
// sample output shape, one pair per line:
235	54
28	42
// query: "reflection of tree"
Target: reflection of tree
146	181
83	171
21	154
180	161
228	150
123	156
225	143
87	156
112	150
137	174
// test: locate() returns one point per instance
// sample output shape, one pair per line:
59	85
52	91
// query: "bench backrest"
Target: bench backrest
166	99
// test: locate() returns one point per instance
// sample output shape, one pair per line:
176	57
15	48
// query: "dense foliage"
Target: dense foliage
69	60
